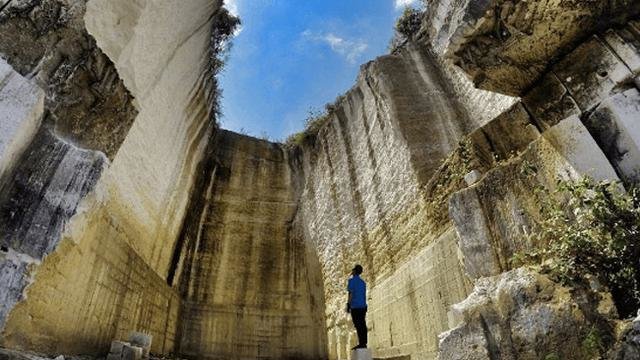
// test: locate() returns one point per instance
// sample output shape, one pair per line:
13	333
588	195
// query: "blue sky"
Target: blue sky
291	56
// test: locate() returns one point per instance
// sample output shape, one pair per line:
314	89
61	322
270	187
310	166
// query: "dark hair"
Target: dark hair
357	269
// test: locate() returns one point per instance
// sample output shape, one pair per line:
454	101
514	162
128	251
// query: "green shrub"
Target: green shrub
222	30
592	228
407	26
316	119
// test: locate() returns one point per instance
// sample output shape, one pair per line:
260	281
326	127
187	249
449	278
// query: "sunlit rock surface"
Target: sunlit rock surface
22	104
124	208
505	46
106	275
521	314
250	286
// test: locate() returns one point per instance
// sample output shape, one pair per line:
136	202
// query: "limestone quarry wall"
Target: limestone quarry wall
249	282
105	205
365	197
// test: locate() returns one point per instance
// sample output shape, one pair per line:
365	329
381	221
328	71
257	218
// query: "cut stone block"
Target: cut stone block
21	108
141	340
550	102
472	177
615	124
571	139
626	45
361	354
591	73
131	352
117	346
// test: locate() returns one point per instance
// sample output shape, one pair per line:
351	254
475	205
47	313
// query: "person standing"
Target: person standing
357	305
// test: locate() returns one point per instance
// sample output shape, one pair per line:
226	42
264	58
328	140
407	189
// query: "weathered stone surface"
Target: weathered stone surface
494	216
248	284
503	137
21	108
591	73
14	277
521	315
550	102
625	42
43	195
108	276
628	348
505	46
616	127
130	352
86	100
361	354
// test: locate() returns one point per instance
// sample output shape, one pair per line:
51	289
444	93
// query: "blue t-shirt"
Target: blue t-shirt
358	290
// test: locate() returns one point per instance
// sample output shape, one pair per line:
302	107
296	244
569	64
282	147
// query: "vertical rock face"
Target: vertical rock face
106	268
365	199
22	105
246	283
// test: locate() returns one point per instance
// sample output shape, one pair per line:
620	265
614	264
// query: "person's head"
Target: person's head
357	270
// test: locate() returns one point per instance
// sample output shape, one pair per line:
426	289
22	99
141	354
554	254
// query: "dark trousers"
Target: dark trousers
360	322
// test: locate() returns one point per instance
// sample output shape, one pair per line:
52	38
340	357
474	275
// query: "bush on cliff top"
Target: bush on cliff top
316	119
407	26
592	228
223	28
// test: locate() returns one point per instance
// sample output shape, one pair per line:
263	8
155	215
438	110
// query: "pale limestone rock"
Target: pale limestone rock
518	314
494	217
506	46
117	346
616	127
591	73
130	352
361	354
112	265
21	108
472	177
142	341
573	143
626	45
550	101
249	290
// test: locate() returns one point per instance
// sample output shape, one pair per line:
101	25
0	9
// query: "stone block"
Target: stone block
472	177
117	346
130	352
503	137
114	356
21	108
361	354
141	340
577	148
475	238
14	277
591	73
626	45
549	102
615	124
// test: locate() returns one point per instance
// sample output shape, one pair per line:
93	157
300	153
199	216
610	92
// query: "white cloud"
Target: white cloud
349	49
232	6
401	4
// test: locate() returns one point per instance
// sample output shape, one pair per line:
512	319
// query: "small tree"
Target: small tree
407	26
223	27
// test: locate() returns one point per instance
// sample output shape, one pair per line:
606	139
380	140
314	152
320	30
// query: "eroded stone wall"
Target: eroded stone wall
365	199
247	277
96	241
